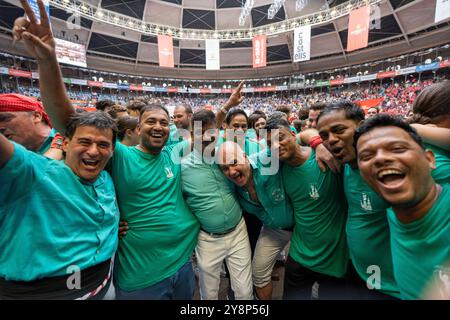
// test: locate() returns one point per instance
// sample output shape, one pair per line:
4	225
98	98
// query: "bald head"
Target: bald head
234	164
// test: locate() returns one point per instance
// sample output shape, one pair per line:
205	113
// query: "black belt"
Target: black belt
219	234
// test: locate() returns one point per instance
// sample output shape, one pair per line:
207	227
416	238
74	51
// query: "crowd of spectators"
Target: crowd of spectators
396	98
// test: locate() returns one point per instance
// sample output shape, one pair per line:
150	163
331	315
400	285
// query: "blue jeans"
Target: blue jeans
180	286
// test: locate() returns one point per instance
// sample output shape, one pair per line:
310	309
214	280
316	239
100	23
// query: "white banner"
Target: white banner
212	54
442	10
145	88
369	77
110	85
351	79
78	81
302	44
406	71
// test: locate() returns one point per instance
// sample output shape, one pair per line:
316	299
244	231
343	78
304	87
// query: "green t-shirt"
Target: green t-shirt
367	229
50	219
162	231
442	172
251	146
174	135
209	194
421	249
47	142
320	211
273	209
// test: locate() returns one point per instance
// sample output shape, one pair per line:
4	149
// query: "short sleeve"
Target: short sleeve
17	177
118	153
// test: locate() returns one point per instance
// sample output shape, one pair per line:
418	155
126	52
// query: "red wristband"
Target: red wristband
57	142
315	141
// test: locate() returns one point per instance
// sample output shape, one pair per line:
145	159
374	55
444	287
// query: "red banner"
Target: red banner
174	89
165	49
337	82
205	90
95	84
19	73
387	74
136	87
259	51
265	89
445	63
366	104
358	29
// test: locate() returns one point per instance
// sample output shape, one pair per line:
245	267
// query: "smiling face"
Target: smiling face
88	151
154	130
337	133
395	166
234	163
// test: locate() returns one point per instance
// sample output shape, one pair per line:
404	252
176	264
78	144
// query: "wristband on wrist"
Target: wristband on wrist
315	141
223	110
57	142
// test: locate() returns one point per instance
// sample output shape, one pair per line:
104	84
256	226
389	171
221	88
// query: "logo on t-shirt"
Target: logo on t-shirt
314	193
277	195
169	173
365	202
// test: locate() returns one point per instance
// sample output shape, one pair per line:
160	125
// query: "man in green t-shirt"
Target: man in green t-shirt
367	227
59	219
153	259
318	256
393	161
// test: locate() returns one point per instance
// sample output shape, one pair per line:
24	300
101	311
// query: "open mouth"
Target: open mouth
238	177
391	178
156	135
338	152
91	164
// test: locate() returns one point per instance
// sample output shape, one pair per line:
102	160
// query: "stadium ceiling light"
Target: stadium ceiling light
92	12
245	12
301	4
274	8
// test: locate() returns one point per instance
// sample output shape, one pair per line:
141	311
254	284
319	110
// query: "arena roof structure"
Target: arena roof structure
403	26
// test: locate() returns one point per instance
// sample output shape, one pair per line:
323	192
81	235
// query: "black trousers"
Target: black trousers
301	283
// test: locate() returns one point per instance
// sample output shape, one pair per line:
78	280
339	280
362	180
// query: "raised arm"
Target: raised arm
437	136
6	150
235	99
39	42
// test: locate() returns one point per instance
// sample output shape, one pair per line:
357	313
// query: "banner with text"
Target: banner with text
165	49
259	51
302	44
212	54
358	29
